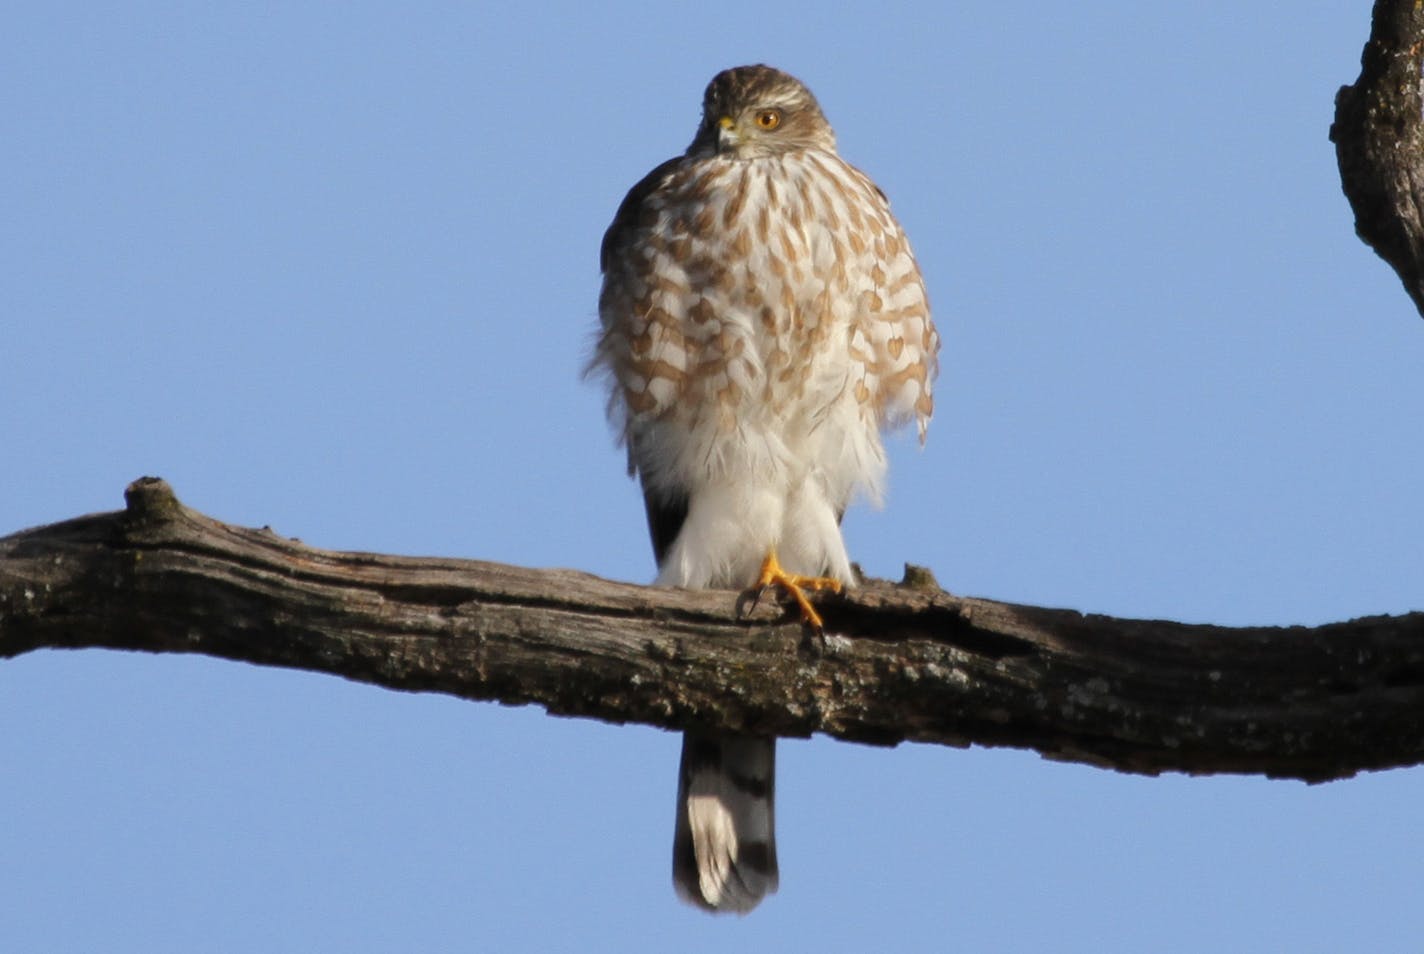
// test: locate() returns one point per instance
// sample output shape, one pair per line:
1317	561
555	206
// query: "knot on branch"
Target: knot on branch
149	500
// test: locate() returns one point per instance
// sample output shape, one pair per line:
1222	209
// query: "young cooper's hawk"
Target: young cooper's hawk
763	319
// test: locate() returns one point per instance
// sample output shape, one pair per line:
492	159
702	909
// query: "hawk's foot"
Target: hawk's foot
794	585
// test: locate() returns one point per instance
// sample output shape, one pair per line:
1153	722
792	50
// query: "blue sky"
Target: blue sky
332	268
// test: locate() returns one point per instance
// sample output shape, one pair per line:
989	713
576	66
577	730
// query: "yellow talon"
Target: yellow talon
795	586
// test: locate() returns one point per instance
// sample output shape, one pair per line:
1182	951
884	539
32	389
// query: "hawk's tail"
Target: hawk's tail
724	850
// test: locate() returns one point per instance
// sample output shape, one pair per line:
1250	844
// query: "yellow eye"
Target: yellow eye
768	119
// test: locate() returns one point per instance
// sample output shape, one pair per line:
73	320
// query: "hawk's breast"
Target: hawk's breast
765	298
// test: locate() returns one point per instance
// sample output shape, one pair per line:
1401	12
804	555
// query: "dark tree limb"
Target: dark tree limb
899	661
1379	142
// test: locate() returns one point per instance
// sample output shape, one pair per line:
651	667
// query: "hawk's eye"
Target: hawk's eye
768	119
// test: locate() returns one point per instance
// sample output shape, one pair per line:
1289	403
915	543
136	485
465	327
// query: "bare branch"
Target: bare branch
1379	142
899	662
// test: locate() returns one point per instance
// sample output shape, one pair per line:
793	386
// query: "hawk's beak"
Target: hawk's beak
728	138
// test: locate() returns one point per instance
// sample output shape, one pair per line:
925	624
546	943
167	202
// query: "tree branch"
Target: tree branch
1379	142
899	661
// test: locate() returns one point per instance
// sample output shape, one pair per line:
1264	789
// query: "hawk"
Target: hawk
763	320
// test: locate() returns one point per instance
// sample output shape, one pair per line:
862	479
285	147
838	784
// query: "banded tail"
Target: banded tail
724	849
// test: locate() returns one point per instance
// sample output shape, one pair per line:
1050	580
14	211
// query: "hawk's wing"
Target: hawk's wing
625	220
665	516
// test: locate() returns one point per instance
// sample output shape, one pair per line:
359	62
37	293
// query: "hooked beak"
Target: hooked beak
727	137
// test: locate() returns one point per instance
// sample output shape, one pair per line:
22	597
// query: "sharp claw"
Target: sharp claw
794	585
757	591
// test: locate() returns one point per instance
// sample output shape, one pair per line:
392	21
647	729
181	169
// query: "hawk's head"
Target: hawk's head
752	111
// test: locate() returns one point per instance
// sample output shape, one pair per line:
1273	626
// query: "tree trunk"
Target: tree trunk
1379	142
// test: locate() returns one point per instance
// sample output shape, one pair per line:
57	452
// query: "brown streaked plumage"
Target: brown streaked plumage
763	319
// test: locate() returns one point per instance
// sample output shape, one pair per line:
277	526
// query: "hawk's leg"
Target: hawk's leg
794	585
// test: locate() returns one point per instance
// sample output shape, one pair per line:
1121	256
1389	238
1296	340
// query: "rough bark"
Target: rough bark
899	661
1379	142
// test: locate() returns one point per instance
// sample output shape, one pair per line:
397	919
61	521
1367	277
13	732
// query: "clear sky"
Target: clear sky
333	269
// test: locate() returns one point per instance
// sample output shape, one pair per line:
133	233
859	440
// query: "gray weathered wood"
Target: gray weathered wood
898	661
